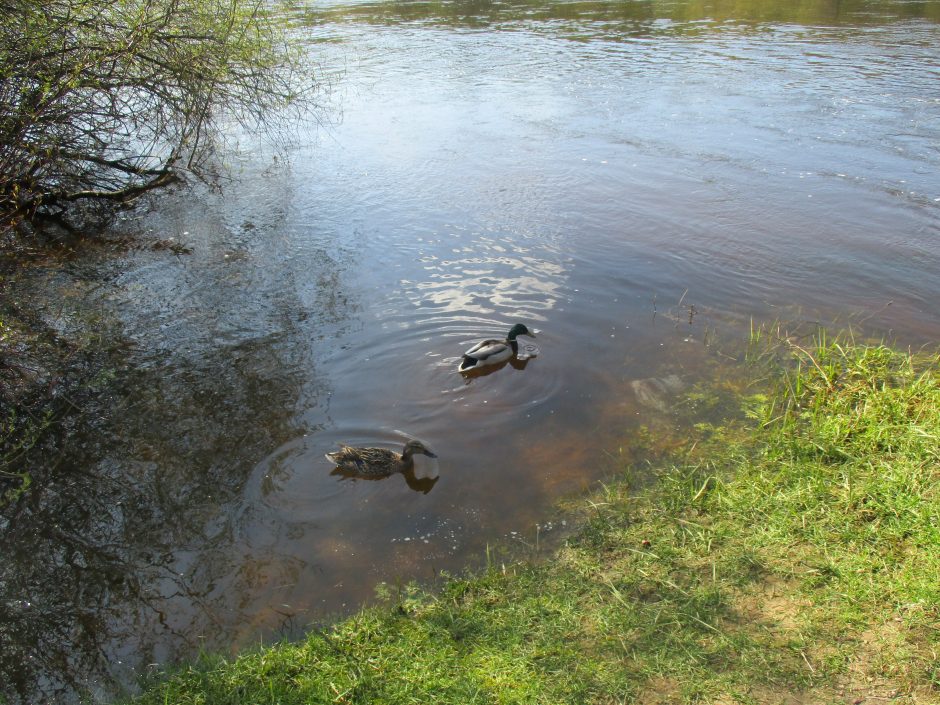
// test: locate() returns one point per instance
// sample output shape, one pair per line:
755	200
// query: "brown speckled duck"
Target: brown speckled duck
377	462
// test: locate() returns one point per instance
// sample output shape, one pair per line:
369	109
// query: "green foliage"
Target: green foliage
22	424
17	435
851	475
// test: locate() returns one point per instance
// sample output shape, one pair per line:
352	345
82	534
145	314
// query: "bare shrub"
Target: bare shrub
102	100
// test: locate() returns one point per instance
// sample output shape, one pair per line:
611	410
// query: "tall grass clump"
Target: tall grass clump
844	495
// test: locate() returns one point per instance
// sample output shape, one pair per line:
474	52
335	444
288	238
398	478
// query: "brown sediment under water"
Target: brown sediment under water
637	180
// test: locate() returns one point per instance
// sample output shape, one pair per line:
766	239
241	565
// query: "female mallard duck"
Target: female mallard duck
492	352
377	462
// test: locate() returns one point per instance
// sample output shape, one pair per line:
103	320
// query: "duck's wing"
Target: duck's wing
378	455
360	458
339	456
487	348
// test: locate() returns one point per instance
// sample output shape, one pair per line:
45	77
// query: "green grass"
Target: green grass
795	555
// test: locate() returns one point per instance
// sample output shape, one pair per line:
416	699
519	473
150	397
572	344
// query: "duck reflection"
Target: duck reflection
514	362
418	484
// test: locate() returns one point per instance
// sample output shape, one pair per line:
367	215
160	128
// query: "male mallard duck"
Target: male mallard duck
491	352
377	462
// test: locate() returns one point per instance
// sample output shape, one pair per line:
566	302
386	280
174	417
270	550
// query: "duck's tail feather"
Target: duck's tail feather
467	364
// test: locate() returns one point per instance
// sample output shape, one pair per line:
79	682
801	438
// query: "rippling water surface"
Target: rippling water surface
629	179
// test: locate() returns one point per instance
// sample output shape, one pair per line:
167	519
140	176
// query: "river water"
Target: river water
637	180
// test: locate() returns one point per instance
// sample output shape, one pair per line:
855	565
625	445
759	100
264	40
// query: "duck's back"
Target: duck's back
366	461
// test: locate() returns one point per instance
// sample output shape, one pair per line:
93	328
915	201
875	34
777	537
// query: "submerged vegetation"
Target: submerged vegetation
44	376
791	557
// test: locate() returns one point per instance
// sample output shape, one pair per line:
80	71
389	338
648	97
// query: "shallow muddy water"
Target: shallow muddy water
633	179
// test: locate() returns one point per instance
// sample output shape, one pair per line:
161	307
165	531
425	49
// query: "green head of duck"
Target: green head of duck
519	329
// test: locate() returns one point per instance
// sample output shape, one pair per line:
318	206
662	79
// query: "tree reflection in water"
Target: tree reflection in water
103	558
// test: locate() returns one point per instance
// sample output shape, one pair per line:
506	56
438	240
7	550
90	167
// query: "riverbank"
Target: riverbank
788	558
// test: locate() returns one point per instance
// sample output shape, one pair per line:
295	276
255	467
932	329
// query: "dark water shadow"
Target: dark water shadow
119	530
114	556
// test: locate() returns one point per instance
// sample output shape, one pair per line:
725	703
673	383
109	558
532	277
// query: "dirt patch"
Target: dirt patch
774	602
659	691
